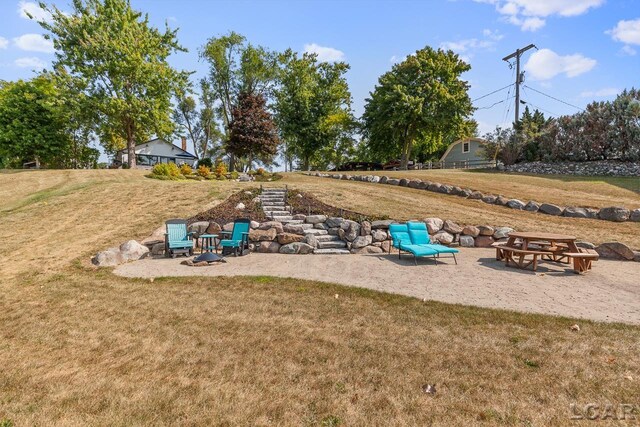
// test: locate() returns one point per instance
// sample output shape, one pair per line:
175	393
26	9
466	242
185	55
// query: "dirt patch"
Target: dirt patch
226	211
306	203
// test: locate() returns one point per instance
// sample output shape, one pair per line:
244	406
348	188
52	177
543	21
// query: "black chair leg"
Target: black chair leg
415	260
435	258
454	258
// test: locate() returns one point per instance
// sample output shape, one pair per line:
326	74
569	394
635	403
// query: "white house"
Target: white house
157	151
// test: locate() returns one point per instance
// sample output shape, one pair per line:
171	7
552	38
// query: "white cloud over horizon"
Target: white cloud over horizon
325	53
4	43
34	43
627	32
30	62
545	64
530	15
26	8
601	93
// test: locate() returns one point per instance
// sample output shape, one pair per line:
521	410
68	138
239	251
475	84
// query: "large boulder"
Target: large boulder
476	195
132	250
361	242
296	228
452	227
443	237
532	206
286	238
109	258
614	213
489	198
434	186
214	228
471	230
365	228
198	228
615	250
296	248
378	235
299	217
486	230
516	204
575	212
352	231
335	222
366	250
271	224
384	179
467	241
501	201
385	246
269	247
258	235
433	224
635	215
393	181
228	226
502	232
157	249
381	224
414	183
466	192
311	240
483	241
320	226
374	179
403	182
156	236
551	209
315	219
254	224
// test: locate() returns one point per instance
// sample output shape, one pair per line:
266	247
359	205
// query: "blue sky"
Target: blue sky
588	49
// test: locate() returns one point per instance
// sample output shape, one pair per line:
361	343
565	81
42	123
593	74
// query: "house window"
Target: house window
465	147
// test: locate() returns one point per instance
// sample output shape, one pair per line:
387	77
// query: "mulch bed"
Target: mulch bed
308	204
226	211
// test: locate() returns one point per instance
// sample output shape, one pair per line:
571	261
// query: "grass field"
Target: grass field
80	346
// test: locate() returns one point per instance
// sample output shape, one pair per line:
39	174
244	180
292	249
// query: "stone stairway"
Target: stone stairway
327	243
273	205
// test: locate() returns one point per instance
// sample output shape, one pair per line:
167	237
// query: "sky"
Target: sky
586	49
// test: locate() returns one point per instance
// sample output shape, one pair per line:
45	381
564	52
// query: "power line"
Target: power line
491	93
554	98
536	106
494	104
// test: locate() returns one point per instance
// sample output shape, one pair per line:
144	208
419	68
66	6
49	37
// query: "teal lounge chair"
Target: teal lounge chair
420	236
177	240
401	240
238	241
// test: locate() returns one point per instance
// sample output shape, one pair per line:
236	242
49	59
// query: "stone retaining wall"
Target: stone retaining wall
612	213
597	168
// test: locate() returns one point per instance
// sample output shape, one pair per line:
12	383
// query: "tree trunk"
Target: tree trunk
406	150
131	152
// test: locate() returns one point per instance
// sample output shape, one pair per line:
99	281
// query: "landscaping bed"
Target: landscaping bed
307	204
227	211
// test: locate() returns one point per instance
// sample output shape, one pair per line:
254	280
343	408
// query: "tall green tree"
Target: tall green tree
122	60
236	66
253	131
313	106
420	100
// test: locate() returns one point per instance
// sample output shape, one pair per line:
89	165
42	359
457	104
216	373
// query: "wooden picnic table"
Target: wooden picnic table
548	246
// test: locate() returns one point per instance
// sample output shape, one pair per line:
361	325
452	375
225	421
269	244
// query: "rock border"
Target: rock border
611	213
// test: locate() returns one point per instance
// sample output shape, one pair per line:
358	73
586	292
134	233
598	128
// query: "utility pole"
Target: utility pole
519	75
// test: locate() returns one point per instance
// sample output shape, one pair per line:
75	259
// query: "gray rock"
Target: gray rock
486	230
361	242
346	177
593	213
465	192
299	217
635	215
269	247
393	181
384	179
378	235
335	231
434	224
614	213
476	195
254	224
423	185
365	228
467	241
434	186
502	232
615	250
296	228
585	245
132	250
334	222
258	235
381	224
286	238
516	204
271	224
443	237
575	212
501	201
228	226
446	189
240	206
403	182
452	227
484	241
414	183
109	258
311	240
532	206
352	231
375	179
367	250
550	209
198	228
157	249
489	198
296	248
320	226
385	246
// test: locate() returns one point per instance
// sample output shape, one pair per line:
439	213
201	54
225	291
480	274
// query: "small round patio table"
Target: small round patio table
208	243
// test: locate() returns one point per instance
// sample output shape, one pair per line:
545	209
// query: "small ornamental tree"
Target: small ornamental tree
252	130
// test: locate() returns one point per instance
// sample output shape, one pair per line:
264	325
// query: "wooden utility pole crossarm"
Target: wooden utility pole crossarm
519	75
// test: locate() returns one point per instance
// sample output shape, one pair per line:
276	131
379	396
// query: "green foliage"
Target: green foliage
122	61
205	162
220	170
234	175
252	130
422	100
186	169
166	171
313	108
204	171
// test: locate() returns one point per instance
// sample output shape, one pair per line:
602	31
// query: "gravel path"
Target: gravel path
610	292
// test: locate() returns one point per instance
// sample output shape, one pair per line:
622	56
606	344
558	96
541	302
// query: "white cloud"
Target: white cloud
628	50
26	8
466	48
30	62
602	93
325	54
34	43
4	43
530	15
546	64
627	32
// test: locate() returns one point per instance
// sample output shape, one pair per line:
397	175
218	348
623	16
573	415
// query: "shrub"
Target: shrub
185	169
205	162
204	171
261	171
234	175
220	171
168	170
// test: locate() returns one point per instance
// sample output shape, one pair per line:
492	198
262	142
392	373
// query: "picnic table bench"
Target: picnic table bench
523	249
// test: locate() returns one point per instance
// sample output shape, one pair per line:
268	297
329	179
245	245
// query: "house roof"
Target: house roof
446	153
181	153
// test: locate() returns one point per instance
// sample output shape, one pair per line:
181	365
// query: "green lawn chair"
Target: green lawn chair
401	240
420	236
238	241
177	241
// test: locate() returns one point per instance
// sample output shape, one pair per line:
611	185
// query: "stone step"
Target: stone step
331	252
275	208
326	237
273	193
272	200
282	217
276	213
292	221
270	203
316	232
337	244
